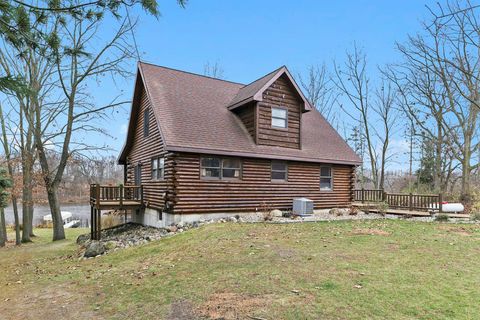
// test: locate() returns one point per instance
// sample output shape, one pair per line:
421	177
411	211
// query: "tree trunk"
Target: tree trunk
3	228
437	177
18	239
26	205
465	189
58	230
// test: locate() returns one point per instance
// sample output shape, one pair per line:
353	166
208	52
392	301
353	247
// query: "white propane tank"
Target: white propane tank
452	207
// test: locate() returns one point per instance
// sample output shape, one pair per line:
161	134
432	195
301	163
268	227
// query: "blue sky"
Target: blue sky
251	38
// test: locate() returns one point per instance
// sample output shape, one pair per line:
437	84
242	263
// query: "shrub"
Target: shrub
442	217
475	216
266	211
382	208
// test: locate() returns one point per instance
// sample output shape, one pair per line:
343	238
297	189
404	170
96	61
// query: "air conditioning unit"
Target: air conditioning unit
302	206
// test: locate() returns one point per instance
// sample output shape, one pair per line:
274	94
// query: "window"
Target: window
158	168
231	168
279	118
325	178
146	123
218	168
279	170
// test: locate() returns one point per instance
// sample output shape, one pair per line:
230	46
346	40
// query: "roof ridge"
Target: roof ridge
188	72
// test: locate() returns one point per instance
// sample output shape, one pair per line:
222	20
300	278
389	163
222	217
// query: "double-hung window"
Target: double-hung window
326	178
279	171
279	118
220	168
158	168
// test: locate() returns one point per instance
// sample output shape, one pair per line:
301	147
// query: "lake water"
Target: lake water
79	211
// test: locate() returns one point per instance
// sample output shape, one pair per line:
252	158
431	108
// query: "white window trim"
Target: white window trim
280	118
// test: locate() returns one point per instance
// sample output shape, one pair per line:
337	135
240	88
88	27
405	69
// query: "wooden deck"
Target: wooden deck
372	207
111	198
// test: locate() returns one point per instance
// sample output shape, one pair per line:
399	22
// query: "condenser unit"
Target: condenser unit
302	206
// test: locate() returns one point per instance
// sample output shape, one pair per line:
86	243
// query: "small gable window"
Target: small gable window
158	168
146	123
218	168
279	171
279	117
326	178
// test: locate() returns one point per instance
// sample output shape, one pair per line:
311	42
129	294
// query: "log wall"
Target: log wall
247	115
195	195
142	151
280	94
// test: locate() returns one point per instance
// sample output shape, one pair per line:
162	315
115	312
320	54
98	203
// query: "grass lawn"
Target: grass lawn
338	270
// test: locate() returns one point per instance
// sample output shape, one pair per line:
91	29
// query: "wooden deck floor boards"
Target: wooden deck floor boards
415	213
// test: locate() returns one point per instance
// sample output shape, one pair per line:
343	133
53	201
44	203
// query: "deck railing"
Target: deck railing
104	193
410	201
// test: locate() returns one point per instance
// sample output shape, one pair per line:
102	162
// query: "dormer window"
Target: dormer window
279	118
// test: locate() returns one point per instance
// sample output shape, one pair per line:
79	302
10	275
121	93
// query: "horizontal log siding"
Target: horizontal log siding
195	195
246	113
143	150
279	94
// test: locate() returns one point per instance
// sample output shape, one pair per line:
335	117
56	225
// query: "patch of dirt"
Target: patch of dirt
182	310
457	230
52	302
229	305
370	231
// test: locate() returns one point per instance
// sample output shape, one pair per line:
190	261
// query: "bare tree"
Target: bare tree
76	68
320	91
10	165
213	70
384	107
36	70
439	82
354	85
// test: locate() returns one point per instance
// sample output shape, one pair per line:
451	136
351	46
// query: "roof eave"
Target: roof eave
260	156
240	103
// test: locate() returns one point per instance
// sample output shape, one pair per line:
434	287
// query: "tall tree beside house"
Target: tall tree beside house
320	91
438	79
63	30
5	183
371	110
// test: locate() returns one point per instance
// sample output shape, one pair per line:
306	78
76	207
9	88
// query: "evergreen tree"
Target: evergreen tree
426	172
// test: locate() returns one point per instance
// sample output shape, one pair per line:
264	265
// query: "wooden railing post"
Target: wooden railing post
384	196
121	195
410	201
440	200
363	195
97	195
141	193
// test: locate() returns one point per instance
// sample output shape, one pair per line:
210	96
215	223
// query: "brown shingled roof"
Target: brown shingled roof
193	115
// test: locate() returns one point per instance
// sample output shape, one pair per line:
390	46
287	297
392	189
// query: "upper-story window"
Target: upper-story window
279	118
220	168
158	168
279	171
326	178
146	123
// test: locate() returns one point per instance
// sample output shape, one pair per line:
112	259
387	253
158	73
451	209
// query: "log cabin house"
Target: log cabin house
207	148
